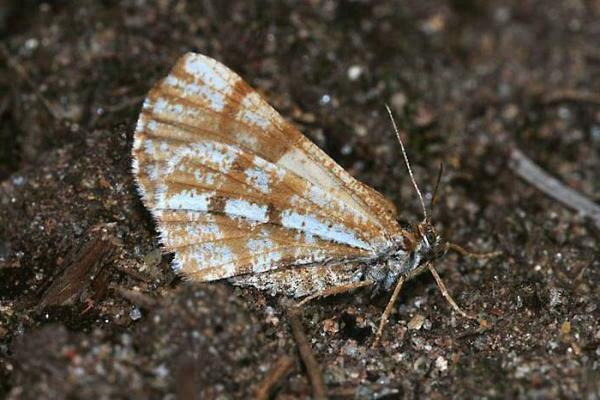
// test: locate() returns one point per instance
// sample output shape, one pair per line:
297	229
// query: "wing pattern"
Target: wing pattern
237	190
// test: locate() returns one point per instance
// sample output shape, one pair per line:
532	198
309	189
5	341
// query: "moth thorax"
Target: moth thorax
421	246
386	271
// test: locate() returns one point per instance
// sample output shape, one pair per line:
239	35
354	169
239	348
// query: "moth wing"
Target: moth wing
206	99
222	247
208	146
224	212
303	280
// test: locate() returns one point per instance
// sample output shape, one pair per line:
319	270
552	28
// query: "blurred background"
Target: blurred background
89	306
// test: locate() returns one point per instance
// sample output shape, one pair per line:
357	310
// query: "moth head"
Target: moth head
419	246
431	246
424	241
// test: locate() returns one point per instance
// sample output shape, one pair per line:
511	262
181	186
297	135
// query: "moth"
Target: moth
238	193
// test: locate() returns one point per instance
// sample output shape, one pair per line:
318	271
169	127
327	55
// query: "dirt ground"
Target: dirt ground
89	307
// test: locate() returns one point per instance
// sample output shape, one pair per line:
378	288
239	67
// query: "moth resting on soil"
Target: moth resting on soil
238	193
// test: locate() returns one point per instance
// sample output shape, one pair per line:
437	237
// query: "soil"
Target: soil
89	308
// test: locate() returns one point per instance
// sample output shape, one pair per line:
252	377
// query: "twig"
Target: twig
570	95
552	187
466	253
343	393
124	104
306	354
137	298
582	270
133	273
84	262
281	368
22	72
186	369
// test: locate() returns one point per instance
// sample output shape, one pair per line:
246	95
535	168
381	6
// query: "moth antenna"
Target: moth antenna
412	178
437	186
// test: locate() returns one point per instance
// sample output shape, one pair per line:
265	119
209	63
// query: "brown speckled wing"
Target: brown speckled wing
235	189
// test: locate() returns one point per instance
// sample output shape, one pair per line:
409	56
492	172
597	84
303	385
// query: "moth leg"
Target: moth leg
447	296
333	291
466	253
388	310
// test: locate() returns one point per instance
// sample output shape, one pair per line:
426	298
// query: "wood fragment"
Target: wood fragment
126	103
571	96
308	359
343	393
186	372
467	253
84	263
108	109
536	176
137	298
281	368
133	273
51	108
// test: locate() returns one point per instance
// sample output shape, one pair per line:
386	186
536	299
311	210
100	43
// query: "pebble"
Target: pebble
354	72
441	363
416	322
135	314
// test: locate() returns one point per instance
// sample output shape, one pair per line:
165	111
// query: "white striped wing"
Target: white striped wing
235	189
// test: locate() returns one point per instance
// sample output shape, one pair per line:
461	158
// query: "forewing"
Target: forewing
236	189
216	246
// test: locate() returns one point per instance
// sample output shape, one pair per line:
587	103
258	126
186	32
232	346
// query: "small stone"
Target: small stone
416	322
502	14
595	131
346	149
4	251
564	113
556	297
424	116
350	348
398	101
552	345
576	349
441	363
135	314
421	364
18	180
331	326
325	100
272	317
510	112
153	258
32	44
354	72
434	24
360	130
427	324
161	371
484	323
565	328
522	371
